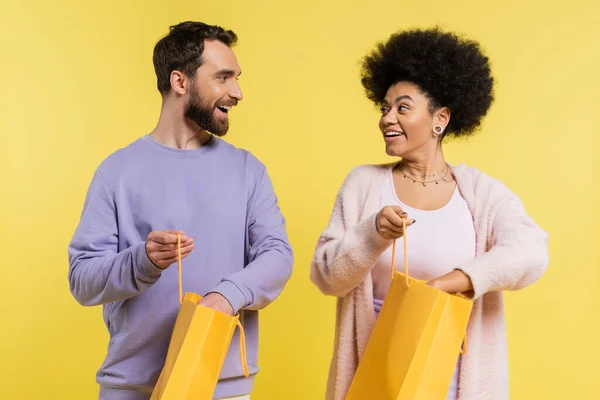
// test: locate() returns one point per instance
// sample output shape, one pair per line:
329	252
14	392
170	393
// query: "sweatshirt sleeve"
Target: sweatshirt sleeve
270	259
347	250
98	273
518	255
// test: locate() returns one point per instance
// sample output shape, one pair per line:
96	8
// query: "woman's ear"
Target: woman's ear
442	117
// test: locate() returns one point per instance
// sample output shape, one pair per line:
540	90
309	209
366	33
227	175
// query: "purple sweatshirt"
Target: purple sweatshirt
219	195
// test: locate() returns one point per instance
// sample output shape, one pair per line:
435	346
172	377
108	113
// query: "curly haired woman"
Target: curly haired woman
473	235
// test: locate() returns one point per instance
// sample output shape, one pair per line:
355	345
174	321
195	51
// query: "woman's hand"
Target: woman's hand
453	282
389	222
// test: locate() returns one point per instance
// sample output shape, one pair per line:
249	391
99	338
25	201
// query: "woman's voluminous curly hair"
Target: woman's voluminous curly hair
452	72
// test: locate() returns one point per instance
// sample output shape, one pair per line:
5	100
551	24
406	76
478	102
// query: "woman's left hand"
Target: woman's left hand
453	282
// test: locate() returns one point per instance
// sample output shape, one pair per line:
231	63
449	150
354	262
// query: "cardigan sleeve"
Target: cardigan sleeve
518	251
349	247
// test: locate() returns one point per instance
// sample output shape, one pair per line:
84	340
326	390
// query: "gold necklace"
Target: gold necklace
424	183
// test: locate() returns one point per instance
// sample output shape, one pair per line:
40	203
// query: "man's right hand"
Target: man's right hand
161	247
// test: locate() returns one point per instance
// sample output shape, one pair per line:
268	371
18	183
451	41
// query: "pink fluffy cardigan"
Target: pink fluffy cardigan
511	253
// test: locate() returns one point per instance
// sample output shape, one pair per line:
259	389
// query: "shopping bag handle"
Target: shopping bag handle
237	318
405	254
179	268
463	348
243	347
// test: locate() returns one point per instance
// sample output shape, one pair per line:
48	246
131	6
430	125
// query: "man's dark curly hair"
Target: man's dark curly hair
452	72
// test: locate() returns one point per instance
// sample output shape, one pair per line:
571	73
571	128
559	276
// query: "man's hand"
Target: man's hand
217	302
161	247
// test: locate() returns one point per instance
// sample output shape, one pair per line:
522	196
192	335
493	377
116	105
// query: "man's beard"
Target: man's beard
204	116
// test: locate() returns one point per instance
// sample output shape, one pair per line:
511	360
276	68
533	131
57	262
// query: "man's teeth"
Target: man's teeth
224	108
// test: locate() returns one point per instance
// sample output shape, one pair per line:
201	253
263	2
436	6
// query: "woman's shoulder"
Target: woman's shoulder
367	172
473	181
364	180
363	176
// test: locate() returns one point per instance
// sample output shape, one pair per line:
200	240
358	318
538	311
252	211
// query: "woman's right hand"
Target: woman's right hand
389	222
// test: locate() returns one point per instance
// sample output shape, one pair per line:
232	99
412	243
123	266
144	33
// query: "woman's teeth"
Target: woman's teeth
393	134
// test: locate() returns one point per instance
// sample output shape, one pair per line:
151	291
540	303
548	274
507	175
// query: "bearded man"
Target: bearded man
182	179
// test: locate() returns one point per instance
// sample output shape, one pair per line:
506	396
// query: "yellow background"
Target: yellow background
77	83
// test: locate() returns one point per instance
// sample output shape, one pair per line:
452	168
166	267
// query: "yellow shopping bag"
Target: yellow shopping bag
415	343
199	343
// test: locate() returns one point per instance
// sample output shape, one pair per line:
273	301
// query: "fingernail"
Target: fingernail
414	221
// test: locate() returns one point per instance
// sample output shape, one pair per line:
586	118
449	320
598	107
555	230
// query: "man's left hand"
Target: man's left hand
217	302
